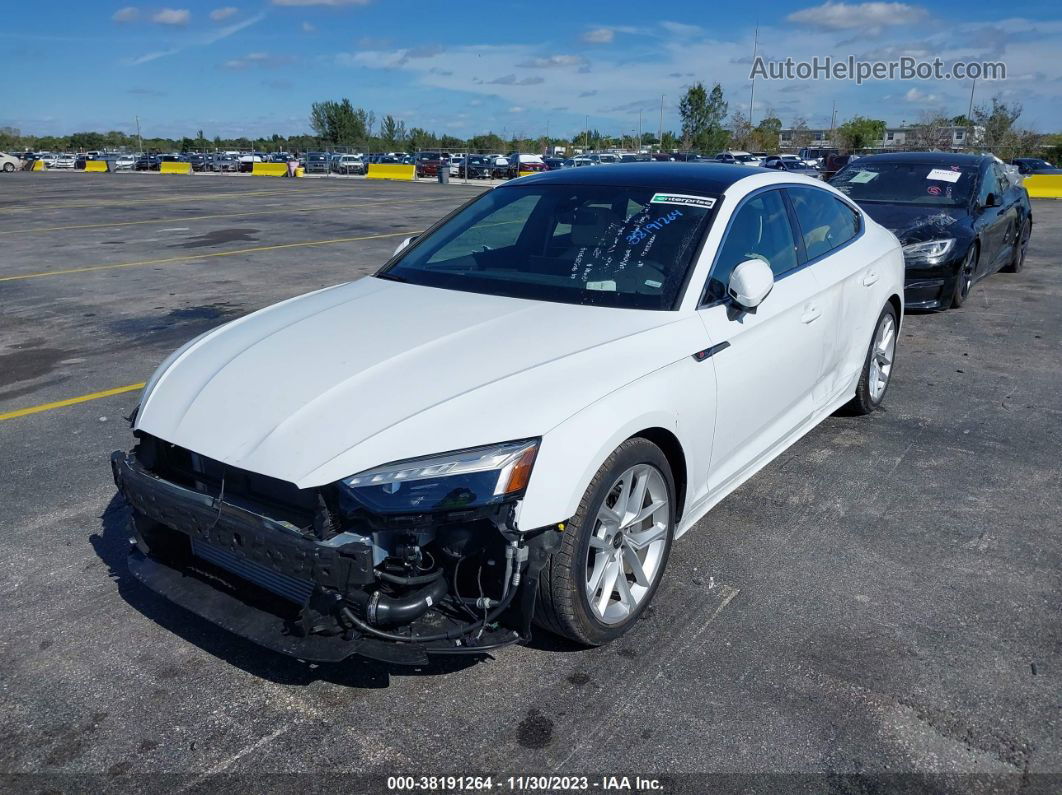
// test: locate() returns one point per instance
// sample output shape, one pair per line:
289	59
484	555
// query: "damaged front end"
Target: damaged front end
319	574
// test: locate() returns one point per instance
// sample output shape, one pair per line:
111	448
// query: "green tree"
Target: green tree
859	132
340	122
702	114
767	135
393	132
994	130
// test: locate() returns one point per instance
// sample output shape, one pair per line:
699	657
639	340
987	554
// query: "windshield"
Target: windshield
907	183
580	244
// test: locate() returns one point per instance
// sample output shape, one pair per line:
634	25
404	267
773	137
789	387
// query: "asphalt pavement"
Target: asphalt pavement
881	600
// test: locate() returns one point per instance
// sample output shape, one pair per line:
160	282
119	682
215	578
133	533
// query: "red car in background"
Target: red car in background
428	163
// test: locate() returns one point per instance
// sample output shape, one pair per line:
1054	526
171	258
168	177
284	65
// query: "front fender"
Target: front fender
679	398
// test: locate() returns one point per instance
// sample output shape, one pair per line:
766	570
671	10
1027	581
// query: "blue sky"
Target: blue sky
255	68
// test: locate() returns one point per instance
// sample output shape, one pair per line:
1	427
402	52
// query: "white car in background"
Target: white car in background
124	162
9	163
63	161
565	376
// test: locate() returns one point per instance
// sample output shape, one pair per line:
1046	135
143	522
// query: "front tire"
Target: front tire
9	167
614	550
877	368
964	279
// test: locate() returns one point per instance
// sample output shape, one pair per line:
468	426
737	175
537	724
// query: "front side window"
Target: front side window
825	221
760	230
599	245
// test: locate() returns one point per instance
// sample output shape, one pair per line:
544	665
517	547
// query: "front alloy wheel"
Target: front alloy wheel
964	279
626	548
614	550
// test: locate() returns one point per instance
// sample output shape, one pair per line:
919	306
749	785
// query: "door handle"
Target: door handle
811	314
870	279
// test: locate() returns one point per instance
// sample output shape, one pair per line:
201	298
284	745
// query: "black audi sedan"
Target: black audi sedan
959	218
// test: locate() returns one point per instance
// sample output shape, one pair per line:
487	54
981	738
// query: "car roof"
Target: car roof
944	158
712	178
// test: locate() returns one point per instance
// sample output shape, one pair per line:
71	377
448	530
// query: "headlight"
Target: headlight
448	482
932	252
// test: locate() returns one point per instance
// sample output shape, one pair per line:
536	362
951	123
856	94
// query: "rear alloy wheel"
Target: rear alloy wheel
964	279
614	550
1021	243
9	167
877	369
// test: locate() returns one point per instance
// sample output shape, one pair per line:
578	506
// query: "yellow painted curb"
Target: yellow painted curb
391	171
95	165
171	167
1044	186
269	169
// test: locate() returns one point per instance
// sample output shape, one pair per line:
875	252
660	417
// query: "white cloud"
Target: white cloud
844	16
309	27
516	109
553	61
321	2
127	14
204	40
171	16
599	36
263	59
218	14
914	95
680	29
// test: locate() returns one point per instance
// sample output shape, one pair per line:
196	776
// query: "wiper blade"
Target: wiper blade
392	277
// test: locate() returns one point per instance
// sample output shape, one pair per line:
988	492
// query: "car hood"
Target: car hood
331	383
918	223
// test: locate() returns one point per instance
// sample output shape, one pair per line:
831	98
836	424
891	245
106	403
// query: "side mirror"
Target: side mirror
404	244
750	283
992	200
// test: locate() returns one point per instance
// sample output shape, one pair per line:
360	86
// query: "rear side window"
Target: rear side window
759	230
825	221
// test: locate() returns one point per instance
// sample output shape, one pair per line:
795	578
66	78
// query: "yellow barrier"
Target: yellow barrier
269	169
299	171
526	173
391	171
38	165
95	165
1044	186
173	167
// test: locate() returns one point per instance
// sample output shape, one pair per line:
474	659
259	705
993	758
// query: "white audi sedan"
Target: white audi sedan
514	418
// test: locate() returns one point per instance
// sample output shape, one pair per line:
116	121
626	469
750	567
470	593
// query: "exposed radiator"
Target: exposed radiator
290	588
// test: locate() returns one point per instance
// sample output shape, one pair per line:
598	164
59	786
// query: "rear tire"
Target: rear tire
877	367
1017	262
9	167
605	553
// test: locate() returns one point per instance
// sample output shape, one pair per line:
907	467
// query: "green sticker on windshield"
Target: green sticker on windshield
863	176
680	198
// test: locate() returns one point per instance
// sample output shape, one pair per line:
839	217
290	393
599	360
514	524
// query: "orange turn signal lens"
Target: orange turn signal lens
520	473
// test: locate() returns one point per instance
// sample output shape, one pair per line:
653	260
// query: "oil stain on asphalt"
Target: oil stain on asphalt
535	731
219	236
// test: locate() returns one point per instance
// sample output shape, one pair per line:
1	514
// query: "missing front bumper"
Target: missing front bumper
264	580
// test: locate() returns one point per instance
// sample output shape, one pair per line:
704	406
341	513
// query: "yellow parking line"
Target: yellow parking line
58	404
211	255
281	207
